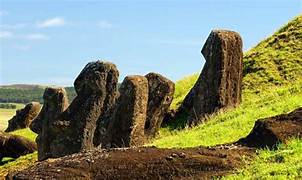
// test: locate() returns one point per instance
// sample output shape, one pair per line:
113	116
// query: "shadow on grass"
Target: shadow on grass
178	123
6	160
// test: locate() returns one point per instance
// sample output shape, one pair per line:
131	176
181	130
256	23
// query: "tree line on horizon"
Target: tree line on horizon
24	96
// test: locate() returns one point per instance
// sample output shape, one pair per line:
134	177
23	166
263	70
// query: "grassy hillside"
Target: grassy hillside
277	60
272	85
232	124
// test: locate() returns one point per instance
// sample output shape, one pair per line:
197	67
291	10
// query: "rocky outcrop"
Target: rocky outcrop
24	117
126	127
140	163
219	84
271	131
55	102
161	91
15	146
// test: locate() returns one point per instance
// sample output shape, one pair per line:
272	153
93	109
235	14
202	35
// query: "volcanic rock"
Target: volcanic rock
127	125
269	132
140	163
110	94
77	124
24	117
15	146
55	102
161	91
219	84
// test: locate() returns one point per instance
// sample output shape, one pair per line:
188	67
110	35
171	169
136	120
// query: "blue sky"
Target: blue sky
50	41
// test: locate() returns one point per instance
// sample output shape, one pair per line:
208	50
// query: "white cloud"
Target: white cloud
51	22
6	34
37	37
104	25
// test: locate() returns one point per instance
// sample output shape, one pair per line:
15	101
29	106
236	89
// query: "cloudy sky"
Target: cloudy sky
49	41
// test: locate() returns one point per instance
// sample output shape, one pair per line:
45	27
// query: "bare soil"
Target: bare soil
141	163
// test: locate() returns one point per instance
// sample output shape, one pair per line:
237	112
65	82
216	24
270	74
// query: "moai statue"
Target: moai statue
24	117
161	91
219	84
55	102
76	125
127	125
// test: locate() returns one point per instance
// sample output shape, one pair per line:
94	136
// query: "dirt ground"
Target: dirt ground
142	163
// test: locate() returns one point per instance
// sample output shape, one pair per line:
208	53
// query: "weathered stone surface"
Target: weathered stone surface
24	117
271	131
219	84
126	127
55	102
141	163
110	97
161	91
15	146
77	124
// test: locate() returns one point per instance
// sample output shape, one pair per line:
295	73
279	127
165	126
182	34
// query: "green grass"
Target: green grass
283	163
277	60
18	164
182	88
25	133
232	124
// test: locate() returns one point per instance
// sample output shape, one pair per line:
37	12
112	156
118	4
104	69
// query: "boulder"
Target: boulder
55	102
219	84
127	125
269	132
161	91
24	117
76	125
15	146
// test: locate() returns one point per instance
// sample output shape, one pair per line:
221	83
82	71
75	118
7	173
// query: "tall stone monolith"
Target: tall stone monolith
219	84
126	127
161	91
